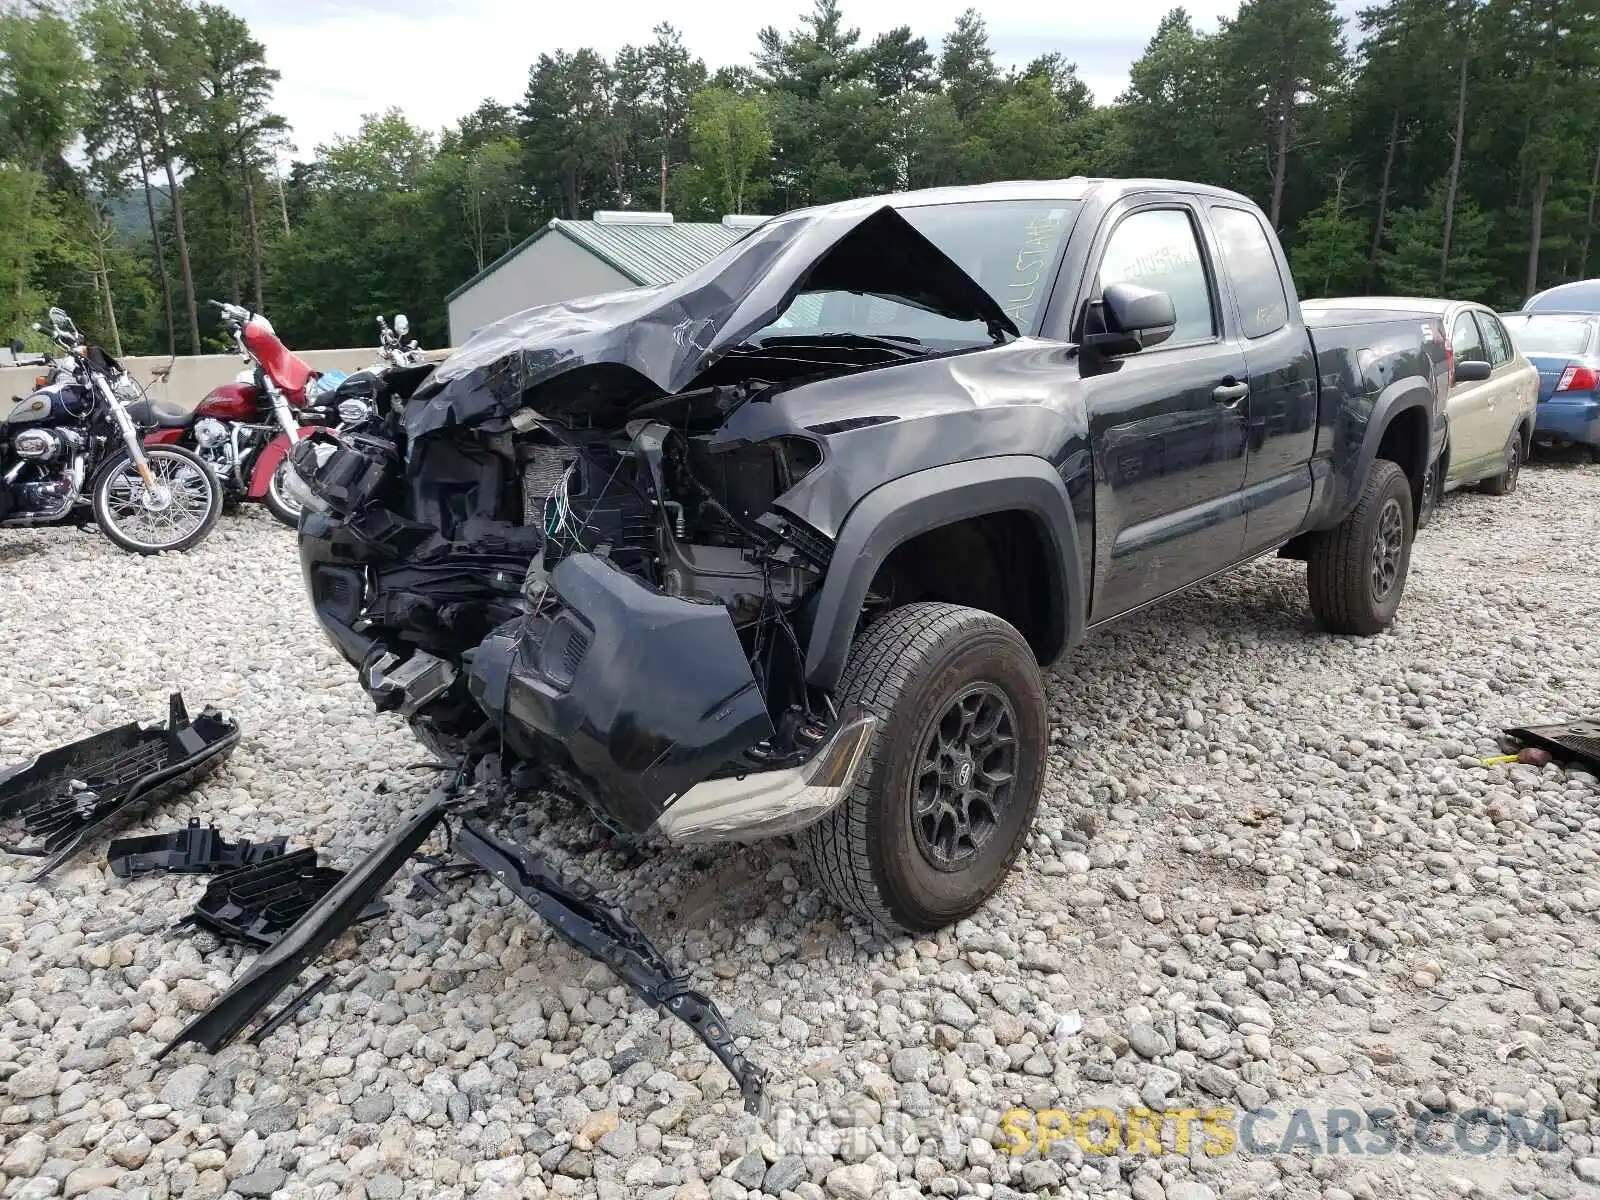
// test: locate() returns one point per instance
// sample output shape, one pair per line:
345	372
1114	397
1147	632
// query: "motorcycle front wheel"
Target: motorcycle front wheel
279	503
177	514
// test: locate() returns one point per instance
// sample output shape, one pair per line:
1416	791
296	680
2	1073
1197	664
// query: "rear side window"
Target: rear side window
1494	335
1158	249
1247	255
1466	342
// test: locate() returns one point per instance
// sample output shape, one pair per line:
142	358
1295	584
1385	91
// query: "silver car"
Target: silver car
1493	397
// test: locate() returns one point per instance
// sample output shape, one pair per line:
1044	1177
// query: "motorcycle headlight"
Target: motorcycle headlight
353	411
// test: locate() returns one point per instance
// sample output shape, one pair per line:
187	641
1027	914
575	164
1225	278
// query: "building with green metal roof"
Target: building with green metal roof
567	260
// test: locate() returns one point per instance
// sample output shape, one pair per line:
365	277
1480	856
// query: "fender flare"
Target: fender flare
267	462
925	500
1403	395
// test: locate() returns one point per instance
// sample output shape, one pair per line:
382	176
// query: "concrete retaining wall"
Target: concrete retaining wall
192	377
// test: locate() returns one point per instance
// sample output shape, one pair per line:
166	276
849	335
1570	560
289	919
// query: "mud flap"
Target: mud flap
65	796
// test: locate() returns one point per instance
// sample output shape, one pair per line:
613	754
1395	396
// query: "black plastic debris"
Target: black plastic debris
257	904
194	850
571	905
1571	741
587	922
51	805
351	899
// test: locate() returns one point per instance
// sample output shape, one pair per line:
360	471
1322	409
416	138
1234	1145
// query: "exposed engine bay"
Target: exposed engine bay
495	521
587	540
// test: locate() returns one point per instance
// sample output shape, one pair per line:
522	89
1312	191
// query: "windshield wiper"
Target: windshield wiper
902	345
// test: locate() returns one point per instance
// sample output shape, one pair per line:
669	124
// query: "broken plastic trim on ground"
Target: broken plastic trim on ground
56	802
573	908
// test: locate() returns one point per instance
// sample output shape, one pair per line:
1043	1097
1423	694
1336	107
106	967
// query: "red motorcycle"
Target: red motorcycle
244	430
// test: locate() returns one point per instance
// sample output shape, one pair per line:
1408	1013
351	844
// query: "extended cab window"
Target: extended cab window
1158	249
1466	342
1495	336
1247	256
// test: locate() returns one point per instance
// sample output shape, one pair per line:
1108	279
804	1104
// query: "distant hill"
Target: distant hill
128	215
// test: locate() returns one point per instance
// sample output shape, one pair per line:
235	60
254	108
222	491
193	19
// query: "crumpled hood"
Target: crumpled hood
648	341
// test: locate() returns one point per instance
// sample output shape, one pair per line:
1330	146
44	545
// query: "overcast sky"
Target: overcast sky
437	59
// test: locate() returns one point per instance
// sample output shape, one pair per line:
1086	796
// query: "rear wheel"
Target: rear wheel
1505	483
176	511
1356	572
1432	492
945	800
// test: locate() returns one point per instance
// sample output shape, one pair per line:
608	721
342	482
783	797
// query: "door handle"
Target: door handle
1230	392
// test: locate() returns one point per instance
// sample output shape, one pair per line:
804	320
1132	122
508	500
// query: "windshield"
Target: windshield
1549	335
1008	246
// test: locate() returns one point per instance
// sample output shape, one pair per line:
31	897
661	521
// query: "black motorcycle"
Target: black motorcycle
75	442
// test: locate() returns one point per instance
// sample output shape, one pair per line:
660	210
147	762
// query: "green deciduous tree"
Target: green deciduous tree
730	137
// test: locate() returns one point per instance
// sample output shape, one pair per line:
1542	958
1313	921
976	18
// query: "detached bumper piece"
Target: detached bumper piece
258	904
605	932
51	805
340	906
1571	741
195	850
571	906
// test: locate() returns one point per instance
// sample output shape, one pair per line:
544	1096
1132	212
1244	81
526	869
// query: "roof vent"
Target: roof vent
619	217
745	220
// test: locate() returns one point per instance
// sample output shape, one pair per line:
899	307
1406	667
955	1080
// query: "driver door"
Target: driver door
1167	423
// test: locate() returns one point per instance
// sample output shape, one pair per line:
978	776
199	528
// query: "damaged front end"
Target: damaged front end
571	544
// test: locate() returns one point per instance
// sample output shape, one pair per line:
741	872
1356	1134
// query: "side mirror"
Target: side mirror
1472	370
401	325
1134	318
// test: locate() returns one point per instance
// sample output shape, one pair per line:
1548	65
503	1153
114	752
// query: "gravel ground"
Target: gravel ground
1270	871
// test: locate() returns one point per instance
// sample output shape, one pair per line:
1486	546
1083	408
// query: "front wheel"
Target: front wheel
945	800
279	502
177	513
1356	571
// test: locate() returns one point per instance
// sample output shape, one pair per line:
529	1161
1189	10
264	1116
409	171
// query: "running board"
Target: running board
571	906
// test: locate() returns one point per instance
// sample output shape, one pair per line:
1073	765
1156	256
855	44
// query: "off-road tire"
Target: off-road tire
1505	483
1339	570
908	667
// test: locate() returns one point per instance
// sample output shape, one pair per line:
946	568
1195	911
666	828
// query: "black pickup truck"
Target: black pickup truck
781	548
